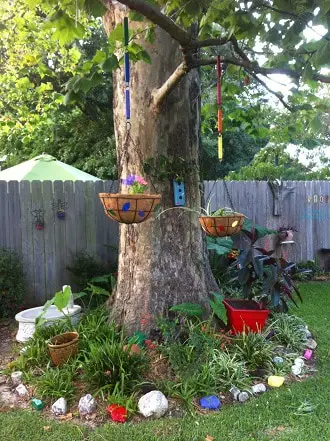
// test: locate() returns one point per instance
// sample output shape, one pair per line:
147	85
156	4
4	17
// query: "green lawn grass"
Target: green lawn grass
269	417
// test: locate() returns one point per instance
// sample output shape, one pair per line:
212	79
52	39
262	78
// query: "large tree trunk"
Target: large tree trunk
163	261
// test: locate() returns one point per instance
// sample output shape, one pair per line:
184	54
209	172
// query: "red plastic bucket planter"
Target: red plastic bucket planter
245	315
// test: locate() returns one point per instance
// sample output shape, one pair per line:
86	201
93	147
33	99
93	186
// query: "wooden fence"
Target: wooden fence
47	252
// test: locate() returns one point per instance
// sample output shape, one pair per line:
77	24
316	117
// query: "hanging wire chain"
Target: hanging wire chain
228	194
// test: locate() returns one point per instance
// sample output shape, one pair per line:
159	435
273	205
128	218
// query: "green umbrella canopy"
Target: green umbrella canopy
45	168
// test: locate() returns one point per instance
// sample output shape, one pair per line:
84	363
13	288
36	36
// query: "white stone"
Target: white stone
296	370
153	404
310	343
243	396
87	405
258	388
16	378
59	407
299	362
22	391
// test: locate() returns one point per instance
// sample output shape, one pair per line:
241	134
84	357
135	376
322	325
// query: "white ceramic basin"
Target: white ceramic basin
26	319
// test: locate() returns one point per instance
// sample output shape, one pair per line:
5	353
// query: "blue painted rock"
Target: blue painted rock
210	402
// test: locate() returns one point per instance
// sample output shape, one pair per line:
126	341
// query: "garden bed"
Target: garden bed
190	359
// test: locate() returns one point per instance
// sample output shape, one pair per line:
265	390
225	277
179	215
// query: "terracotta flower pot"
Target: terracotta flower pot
222	226
63	346
129	208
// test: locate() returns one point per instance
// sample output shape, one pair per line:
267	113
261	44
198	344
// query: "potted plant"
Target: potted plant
63	346
222	222
286	233
266	282
133	207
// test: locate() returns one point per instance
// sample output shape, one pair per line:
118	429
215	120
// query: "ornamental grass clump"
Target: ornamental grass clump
254	350
227	370
110	368
288	330
57	382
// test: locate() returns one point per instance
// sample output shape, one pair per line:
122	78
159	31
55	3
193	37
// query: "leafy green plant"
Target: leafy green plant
227	370
55	383
108	367
12	283
218	307
256	266
94	327
188	309
288	330
60	300
253	349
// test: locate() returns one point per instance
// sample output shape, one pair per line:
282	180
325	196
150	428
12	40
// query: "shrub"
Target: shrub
288	331
254	350
12	283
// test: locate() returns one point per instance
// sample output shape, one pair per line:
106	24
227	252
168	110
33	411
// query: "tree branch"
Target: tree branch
277	94
209	42
156	16
159	95
254	67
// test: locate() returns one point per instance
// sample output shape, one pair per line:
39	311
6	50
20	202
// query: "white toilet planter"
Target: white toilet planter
26	319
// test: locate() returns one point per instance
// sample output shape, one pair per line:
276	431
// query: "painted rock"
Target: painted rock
308	354
133	349
278	360
87	405
16	378
22	391
59	407
234	392
258	388
275	381
117	413
299	362
311	344
210	402
243	396
37	404
153	404
296	370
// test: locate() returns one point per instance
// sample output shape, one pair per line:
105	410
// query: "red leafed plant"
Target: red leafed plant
117	413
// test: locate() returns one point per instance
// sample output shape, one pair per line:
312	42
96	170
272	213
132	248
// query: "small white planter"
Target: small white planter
26	319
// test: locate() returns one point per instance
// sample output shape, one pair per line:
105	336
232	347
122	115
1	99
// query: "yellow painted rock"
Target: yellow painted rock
275	381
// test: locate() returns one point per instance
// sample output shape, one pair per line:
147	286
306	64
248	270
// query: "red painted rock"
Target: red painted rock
117	413
133	349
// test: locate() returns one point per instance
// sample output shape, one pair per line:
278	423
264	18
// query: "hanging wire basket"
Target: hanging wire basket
129	208
222	226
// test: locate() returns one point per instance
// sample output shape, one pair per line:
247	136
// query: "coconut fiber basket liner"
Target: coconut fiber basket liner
222	226
63	346
129	208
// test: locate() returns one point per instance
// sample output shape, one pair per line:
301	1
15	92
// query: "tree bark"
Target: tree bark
163	261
